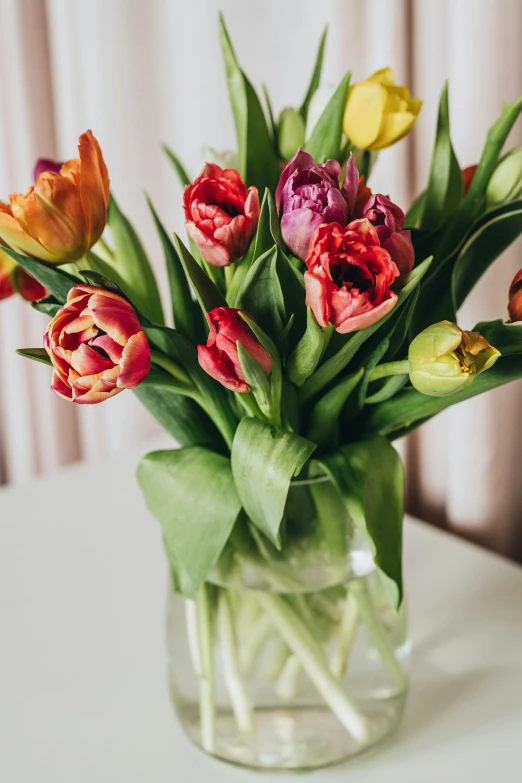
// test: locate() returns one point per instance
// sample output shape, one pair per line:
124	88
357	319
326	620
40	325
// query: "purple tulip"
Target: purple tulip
45	164
307	196
388	220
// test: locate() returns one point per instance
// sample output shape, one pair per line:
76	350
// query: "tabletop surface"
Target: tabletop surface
83	695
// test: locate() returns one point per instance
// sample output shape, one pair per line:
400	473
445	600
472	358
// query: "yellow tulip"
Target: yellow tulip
378	112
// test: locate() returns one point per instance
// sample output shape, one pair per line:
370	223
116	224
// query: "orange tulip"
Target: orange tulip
63	215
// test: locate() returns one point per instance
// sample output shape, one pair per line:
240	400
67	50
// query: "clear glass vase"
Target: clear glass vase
293	658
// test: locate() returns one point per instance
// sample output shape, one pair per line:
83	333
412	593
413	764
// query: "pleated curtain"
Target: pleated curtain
144	72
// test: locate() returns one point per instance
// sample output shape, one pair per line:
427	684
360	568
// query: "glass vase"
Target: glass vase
292	658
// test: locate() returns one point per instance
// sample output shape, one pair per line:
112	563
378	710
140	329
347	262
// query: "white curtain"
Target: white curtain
142	73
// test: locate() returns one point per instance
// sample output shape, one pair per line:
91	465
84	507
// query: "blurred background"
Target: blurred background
140	73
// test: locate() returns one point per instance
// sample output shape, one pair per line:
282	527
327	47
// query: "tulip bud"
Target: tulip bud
45	164
444	359
219	357
291	132
506	181
515	298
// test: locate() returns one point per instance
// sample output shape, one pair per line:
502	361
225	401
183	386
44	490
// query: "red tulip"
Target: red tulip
221	214
96	345
219	356
349	276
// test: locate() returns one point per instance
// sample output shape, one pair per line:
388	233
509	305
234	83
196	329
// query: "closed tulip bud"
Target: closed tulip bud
219	357
506	181
96	345
444	359
291	132
378	112
515	298
63	215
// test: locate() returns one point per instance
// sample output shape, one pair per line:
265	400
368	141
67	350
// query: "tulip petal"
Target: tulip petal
115	316
362	320
135	361
94	187
13	235
297	227
394	126
213	253
59	387
301	160
112	349
219	367
317	296
86	361
364	112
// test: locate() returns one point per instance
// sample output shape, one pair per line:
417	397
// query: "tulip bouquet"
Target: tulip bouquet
314	323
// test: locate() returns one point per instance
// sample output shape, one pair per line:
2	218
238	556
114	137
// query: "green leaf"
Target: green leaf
271	119
187	318
57	282
415	212
264	460
409	408
258	162
276	375
336	363
48	306
178	166
482	249
325	141
133	266
316	77
256	379
37	354
324	419
495	140
180	416
390	387
262	297
370	477
505	337
105	269
306	355
208	295
444	190
191	493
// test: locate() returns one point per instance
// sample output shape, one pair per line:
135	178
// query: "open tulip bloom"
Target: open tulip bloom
313	319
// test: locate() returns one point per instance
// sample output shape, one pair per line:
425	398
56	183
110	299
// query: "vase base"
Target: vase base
302	738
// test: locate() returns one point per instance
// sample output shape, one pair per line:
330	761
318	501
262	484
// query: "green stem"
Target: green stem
206	681
345	637
378	634
171	367
232	667
390	368
311	658
229	276
248	401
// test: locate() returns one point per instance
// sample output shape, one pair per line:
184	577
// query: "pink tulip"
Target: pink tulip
96	345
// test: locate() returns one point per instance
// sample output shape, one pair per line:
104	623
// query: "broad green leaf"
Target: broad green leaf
306	355
264	460
324	418
482	249
325	141
180	416
48	306
256	379
414	214
207	293
191	493
409	408
37	354
178	166
336	363
316	77
57	282
186	313
370	477
133	267
505	337
444	190
262	297
258	162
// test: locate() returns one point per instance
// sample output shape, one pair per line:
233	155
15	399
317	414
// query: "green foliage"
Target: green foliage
444	190
325	141
57	282
208	294
264	460
315	78
306	355
36	354
191	493
178	166
258	162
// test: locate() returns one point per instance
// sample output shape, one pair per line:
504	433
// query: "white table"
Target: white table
82	673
